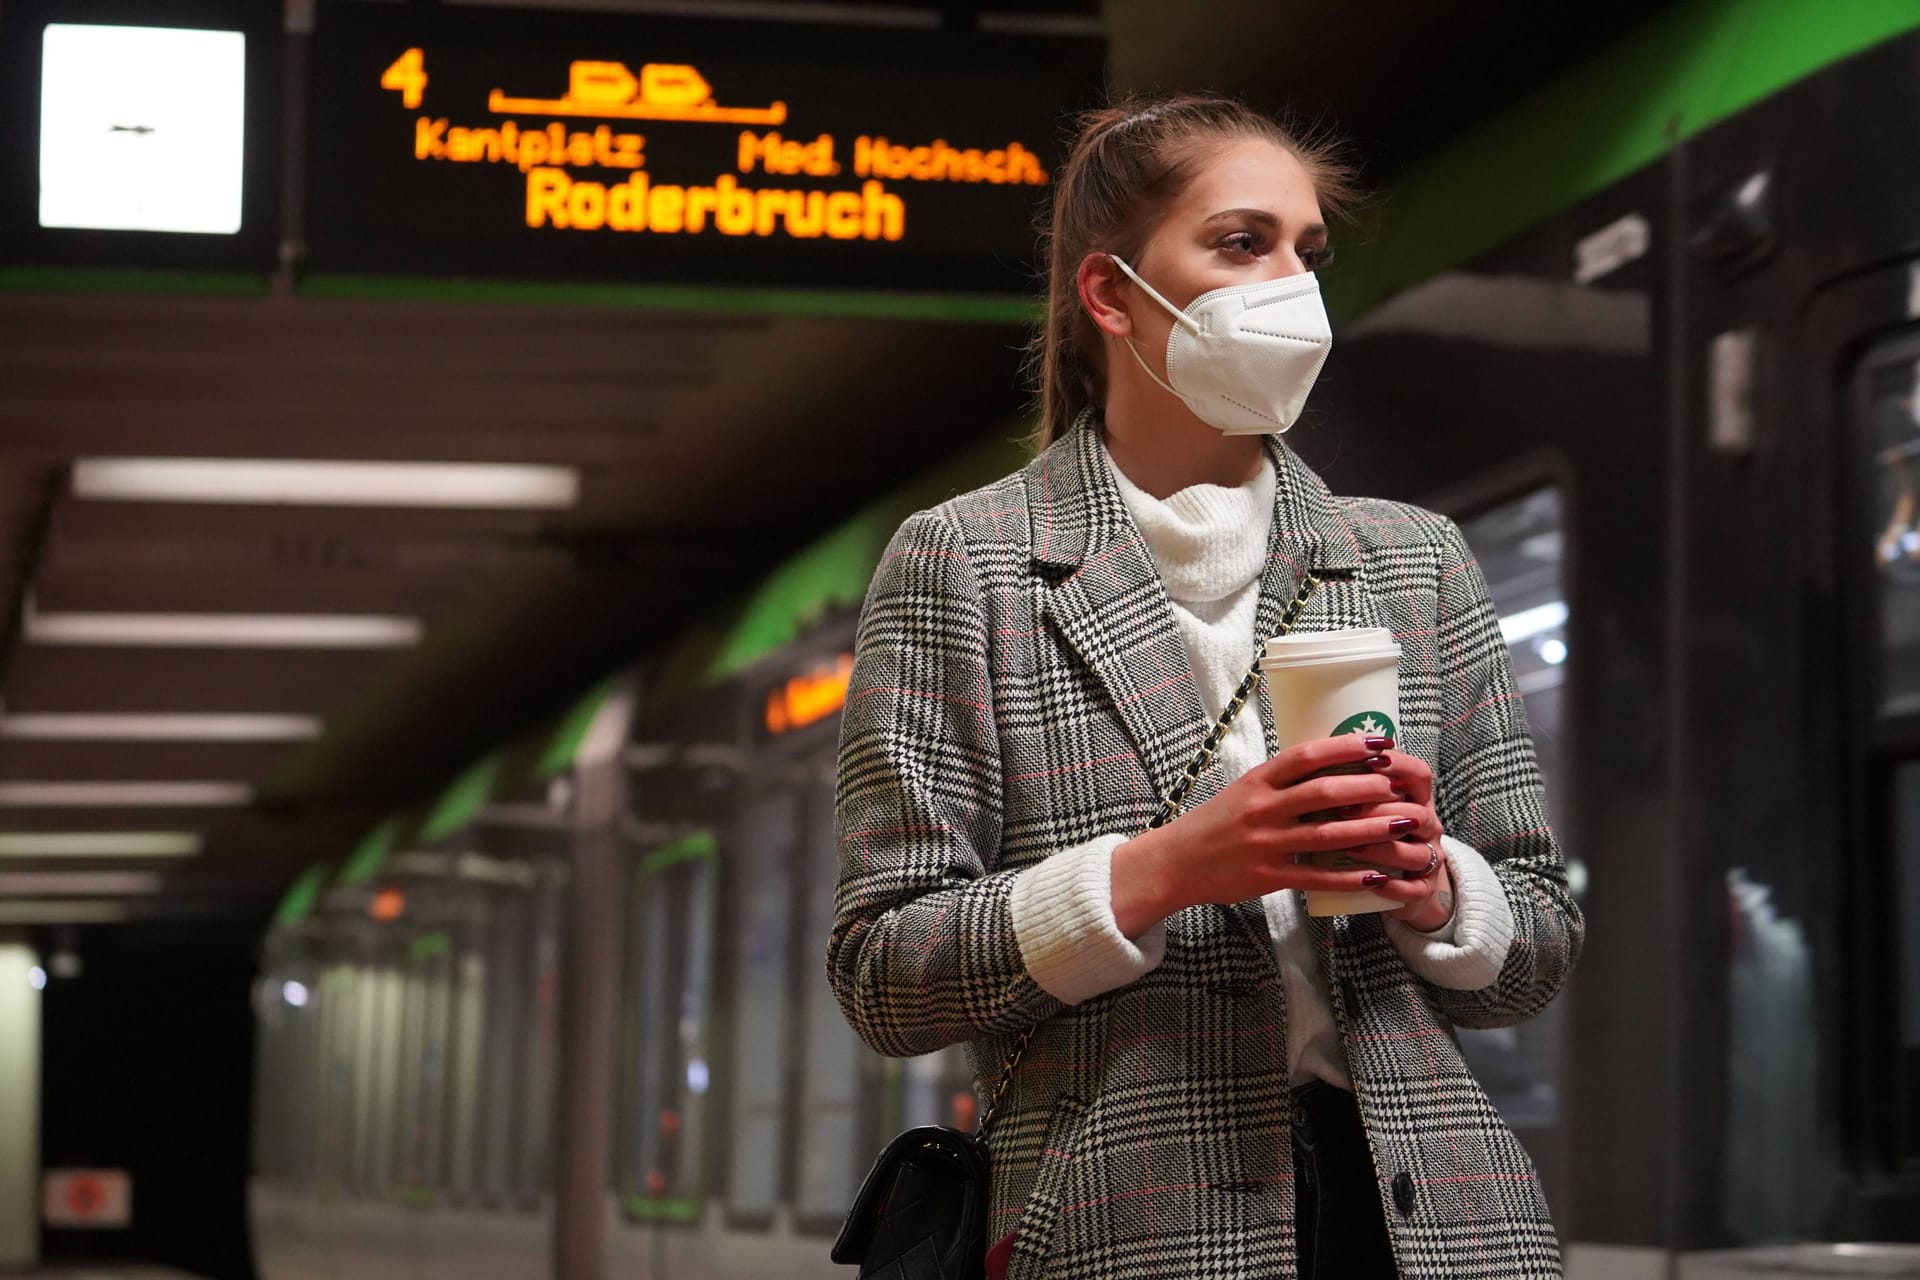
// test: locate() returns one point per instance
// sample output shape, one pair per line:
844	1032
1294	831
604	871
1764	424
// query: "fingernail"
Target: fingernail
1399	826
1379	744
1373	879
1379	762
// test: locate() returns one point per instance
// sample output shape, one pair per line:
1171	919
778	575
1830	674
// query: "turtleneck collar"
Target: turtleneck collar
1208	541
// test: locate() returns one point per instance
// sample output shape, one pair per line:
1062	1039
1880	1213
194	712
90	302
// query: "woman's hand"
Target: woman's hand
1428	897
1255	836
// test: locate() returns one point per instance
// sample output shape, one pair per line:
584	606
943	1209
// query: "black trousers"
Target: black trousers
1340	1224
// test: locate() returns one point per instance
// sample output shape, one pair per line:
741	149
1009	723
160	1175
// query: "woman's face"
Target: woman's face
1249	215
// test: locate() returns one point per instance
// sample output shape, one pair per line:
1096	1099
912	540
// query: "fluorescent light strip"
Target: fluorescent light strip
354	484
124	795
41	884
114	727
100	844
1529	623
223	630
56	911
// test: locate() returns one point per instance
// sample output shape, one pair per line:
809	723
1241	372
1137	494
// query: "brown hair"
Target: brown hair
1127	164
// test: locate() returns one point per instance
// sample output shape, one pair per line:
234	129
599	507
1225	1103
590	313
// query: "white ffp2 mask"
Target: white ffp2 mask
1244	357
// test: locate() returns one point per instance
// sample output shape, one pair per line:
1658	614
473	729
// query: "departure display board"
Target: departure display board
661	149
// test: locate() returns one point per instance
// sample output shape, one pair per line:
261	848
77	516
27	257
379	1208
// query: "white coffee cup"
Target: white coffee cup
1328	683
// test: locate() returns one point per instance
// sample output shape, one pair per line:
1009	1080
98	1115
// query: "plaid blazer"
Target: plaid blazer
1020	687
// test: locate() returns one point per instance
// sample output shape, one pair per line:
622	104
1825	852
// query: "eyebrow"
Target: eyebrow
1265	219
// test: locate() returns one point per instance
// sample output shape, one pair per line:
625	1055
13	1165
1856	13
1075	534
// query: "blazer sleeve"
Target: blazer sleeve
923	952
1488	792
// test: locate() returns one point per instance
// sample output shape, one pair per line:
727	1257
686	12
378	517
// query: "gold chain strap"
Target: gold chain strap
1168	808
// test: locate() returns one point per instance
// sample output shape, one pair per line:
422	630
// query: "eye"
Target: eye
1316	257
1243	242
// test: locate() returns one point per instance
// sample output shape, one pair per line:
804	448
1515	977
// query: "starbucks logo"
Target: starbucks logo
1372	723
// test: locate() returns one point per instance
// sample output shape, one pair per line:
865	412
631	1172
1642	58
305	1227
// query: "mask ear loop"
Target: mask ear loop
1179	316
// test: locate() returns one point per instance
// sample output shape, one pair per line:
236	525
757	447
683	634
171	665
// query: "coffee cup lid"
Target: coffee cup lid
1319	646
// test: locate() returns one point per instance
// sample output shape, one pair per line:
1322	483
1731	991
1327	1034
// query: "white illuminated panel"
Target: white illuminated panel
142	128
1528	623
497	485
77	884
100	844
124	795
60	911
127	727
223	630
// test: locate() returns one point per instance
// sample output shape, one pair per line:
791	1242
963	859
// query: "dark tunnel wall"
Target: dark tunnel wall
147	1067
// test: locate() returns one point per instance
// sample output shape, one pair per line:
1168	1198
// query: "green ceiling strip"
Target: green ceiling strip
463	799
302	895
369	857
691	847
563	744
849	304
1675	77
229	284
832	573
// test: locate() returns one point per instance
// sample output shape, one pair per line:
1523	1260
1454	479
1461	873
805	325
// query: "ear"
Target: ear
1099	282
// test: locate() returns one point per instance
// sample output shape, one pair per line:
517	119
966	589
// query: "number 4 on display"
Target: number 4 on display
407	75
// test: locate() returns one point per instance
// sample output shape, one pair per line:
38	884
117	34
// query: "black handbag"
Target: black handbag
921	1212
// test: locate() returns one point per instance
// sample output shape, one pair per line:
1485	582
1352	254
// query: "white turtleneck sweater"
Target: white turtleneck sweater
1210	546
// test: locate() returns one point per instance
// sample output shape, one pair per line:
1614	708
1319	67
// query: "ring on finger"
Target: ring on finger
1433	859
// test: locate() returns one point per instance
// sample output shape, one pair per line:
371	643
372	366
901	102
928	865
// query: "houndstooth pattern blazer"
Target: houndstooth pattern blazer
1020	687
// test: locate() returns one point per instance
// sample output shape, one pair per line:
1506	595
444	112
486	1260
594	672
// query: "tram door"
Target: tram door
1520	544
1524	398
1878	1025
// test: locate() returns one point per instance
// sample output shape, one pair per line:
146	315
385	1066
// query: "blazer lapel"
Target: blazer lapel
1108	603
1309	533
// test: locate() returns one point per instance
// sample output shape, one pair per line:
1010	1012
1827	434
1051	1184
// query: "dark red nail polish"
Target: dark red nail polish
1380	763
1373	879
1379	744
1399	826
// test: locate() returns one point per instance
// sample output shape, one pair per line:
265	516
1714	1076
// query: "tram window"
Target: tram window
761	855
835	1109
674	933
1906	826
510	960
365	1181
334	1133
938	1089
468	1075
1520	547
389	993
1893	419
541	1096
430	1015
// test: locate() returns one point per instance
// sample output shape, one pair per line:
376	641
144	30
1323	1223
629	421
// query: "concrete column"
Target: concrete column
590	1006
19	1105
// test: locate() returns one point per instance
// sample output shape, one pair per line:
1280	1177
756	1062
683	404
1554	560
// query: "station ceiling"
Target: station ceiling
687	491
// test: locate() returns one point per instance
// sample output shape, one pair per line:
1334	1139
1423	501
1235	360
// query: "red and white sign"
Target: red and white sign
93	1198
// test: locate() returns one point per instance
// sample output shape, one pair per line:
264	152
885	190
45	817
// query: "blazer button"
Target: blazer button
1403	1193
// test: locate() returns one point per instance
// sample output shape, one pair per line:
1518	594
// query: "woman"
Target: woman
1218	1085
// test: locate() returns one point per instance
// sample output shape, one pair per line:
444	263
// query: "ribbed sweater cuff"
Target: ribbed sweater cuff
1466	954
1063	920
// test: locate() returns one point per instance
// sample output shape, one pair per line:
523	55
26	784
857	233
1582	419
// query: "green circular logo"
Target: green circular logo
1372	723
